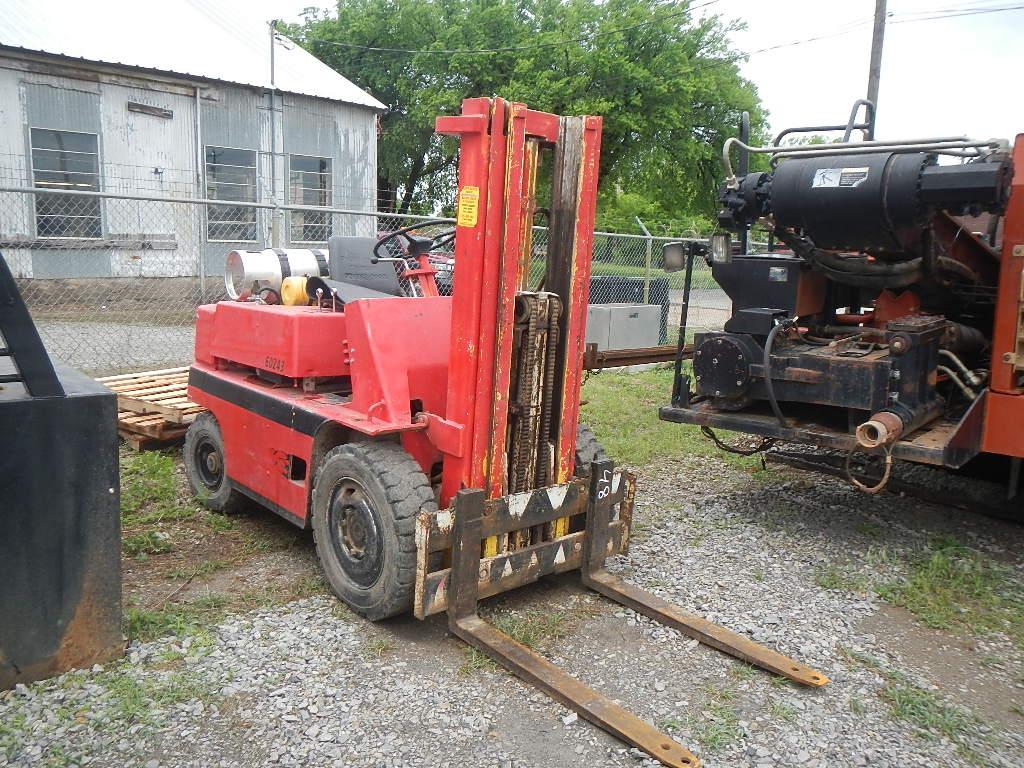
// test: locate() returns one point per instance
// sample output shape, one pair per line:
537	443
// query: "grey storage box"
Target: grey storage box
597	325
633	326
623	326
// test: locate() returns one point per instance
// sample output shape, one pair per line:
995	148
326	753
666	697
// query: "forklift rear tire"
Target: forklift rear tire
588	450
366	497
206	467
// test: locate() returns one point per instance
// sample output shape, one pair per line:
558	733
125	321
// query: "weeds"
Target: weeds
535	628
140	545
205	568
782	711
477	661
872	530
218	523
149	489
925	710
834	577
952	586
718	724
377	647
134	699
742	672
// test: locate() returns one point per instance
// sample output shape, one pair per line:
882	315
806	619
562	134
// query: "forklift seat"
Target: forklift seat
349	262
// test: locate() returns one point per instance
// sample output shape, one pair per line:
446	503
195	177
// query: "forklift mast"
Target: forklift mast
501	145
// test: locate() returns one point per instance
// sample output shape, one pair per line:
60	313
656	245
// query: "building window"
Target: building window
309	183
231	176
67	161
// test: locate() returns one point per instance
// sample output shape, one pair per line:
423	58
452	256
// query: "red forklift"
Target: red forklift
431	442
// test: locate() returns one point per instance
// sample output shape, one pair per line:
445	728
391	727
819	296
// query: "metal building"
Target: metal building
178	99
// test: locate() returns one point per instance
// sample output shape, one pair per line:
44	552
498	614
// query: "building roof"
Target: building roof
195	38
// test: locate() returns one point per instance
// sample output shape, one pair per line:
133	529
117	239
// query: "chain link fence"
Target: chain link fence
113	279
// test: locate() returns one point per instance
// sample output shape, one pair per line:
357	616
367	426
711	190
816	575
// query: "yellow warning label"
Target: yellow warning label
469	206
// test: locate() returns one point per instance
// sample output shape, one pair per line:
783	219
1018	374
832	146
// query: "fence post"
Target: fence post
647	261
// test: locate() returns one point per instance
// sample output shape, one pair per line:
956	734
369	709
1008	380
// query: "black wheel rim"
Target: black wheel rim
209	462
356	533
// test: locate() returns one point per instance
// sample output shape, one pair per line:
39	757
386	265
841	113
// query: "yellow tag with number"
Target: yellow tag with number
469	206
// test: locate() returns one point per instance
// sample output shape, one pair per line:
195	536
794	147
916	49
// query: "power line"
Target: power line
512	48
950	13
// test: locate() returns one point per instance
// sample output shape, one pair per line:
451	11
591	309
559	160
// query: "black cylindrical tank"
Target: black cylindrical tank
853	203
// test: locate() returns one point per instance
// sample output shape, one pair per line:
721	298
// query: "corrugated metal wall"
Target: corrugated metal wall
158	154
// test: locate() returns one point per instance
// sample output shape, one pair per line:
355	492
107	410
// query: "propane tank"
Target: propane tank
246	273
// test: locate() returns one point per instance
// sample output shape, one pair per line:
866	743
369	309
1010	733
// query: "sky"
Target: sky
940	77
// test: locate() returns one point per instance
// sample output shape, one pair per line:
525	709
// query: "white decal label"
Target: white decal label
838	177
560	555
507	570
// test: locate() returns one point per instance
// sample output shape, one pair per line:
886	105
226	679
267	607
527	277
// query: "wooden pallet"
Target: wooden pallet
153	406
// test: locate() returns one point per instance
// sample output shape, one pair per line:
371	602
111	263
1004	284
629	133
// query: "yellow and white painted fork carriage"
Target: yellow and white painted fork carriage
606	502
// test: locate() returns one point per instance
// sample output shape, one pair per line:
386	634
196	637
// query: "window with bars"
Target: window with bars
66	161
231	176
309	183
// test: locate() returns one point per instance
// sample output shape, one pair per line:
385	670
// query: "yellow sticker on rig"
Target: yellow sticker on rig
469	206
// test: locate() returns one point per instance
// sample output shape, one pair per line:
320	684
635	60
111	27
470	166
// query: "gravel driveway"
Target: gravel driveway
311	684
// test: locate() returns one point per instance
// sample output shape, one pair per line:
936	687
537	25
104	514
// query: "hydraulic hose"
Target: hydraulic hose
767	366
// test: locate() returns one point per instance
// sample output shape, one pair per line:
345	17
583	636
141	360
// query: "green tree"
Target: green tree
665	82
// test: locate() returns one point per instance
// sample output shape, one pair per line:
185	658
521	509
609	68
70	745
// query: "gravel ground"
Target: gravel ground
311	684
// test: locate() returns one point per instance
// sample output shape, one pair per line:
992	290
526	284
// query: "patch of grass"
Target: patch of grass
758	574
782	711
874	530
930	715
669	724
310	586
954	586
218	523
834	577
622	409
177	619
148	486
477	661
927	711
12	732
742	671
857	706
134	699
535	628
204	568
140	545
718	724
377	647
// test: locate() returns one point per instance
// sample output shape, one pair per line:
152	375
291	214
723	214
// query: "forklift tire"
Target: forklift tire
366	497
205	466
588	450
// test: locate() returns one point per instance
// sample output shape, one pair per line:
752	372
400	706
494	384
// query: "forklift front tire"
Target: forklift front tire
206	468
366	497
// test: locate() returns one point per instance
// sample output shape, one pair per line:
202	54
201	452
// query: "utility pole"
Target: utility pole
877	36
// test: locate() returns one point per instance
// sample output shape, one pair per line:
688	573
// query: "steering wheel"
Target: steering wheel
415	245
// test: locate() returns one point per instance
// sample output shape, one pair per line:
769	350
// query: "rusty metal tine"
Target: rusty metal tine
588	703
594	576
710	634
464	623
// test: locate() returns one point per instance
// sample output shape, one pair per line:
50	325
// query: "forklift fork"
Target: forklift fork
475	518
